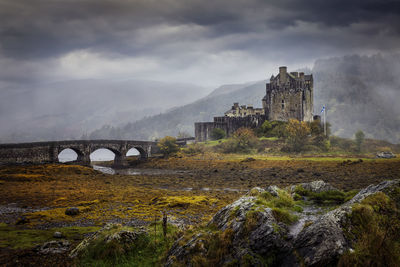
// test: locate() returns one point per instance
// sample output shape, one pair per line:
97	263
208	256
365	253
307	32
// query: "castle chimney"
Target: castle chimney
282	74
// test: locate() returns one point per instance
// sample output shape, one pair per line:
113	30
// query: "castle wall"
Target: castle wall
202	130
229	124
232	124
290	108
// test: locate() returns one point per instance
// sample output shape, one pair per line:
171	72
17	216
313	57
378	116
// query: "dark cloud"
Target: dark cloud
48	28
41	38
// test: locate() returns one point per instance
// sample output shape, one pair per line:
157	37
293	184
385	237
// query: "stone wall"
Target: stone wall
229	124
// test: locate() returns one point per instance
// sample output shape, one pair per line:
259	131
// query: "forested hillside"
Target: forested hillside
360	92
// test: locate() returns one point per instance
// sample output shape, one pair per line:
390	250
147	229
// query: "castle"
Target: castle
288	96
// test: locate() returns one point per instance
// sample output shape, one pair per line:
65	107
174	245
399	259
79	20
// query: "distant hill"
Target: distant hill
360	92
181	119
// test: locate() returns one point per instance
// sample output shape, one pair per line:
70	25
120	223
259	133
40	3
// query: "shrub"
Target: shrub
193	149
297	134
243	141
168	145
375	231
266	128
278	129
217	133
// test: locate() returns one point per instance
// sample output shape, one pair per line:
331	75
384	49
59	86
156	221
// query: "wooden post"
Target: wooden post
164	224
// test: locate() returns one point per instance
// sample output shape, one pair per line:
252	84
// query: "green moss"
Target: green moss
12	237
326	197
282	206
282	215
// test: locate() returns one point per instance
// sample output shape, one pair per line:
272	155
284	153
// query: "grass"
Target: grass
326	197
268	138
282	206
211	143
149	249
15	238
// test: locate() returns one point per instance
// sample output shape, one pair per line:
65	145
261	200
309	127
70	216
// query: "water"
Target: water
135	171
309	214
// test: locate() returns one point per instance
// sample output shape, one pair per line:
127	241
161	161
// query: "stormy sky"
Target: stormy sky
206	43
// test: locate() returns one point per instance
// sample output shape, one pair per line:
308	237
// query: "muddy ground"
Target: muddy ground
189	189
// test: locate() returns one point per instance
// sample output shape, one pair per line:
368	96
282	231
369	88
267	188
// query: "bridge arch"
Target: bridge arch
142	154
117	157
70	149
67	155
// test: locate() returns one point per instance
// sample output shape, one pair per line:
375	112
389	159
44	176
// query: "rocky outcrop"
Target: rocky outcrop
317	186
54	247
323	242
108	234
257	234
254	230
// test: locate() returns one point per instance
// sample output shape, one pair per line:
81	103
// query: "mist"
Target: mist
70	68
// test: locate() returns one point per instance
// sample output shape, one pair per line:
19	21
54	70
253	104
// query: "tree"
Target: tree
360	136
297	134
217	133
168	145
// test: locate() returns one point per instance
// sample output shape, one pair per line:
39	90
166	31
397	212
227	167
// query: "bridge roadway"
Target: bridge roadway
47	152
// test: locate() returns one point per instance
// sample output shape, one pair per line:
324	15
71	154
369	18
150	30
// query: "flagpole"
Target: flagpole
325	120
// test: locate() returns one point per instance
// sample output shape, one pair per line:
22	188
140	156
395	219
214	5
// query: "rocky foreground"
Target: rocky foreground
309	224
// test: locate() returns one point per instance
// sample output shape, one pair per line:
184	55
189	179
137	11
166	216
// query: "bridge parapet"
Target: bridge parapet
44	152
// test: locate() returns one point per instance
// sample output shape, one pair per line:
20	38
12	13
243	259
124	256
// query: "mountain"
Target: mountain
181	119
68	110
360	93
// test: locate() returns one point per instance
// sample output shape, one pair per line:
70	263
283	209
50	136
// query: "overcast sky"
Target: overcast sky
207	43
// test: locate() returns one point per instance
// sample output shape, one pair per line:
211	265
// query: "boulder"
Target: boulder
110	233
323	242
54	247
259	235
57	235
385	155
273	190
72	211
317	186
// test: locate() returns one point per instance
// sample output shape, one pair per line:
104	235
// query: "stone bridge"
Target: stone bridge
47	152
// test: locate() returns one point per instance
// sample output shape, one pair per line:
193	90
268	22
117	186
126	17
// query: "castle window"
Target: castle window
283	104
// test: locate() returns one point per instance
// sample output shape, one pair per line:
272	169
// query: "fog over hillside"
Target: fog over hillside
360	92
71	109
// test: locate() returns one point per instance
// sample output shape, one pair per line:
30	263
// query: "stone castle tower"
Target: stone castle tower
289	96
